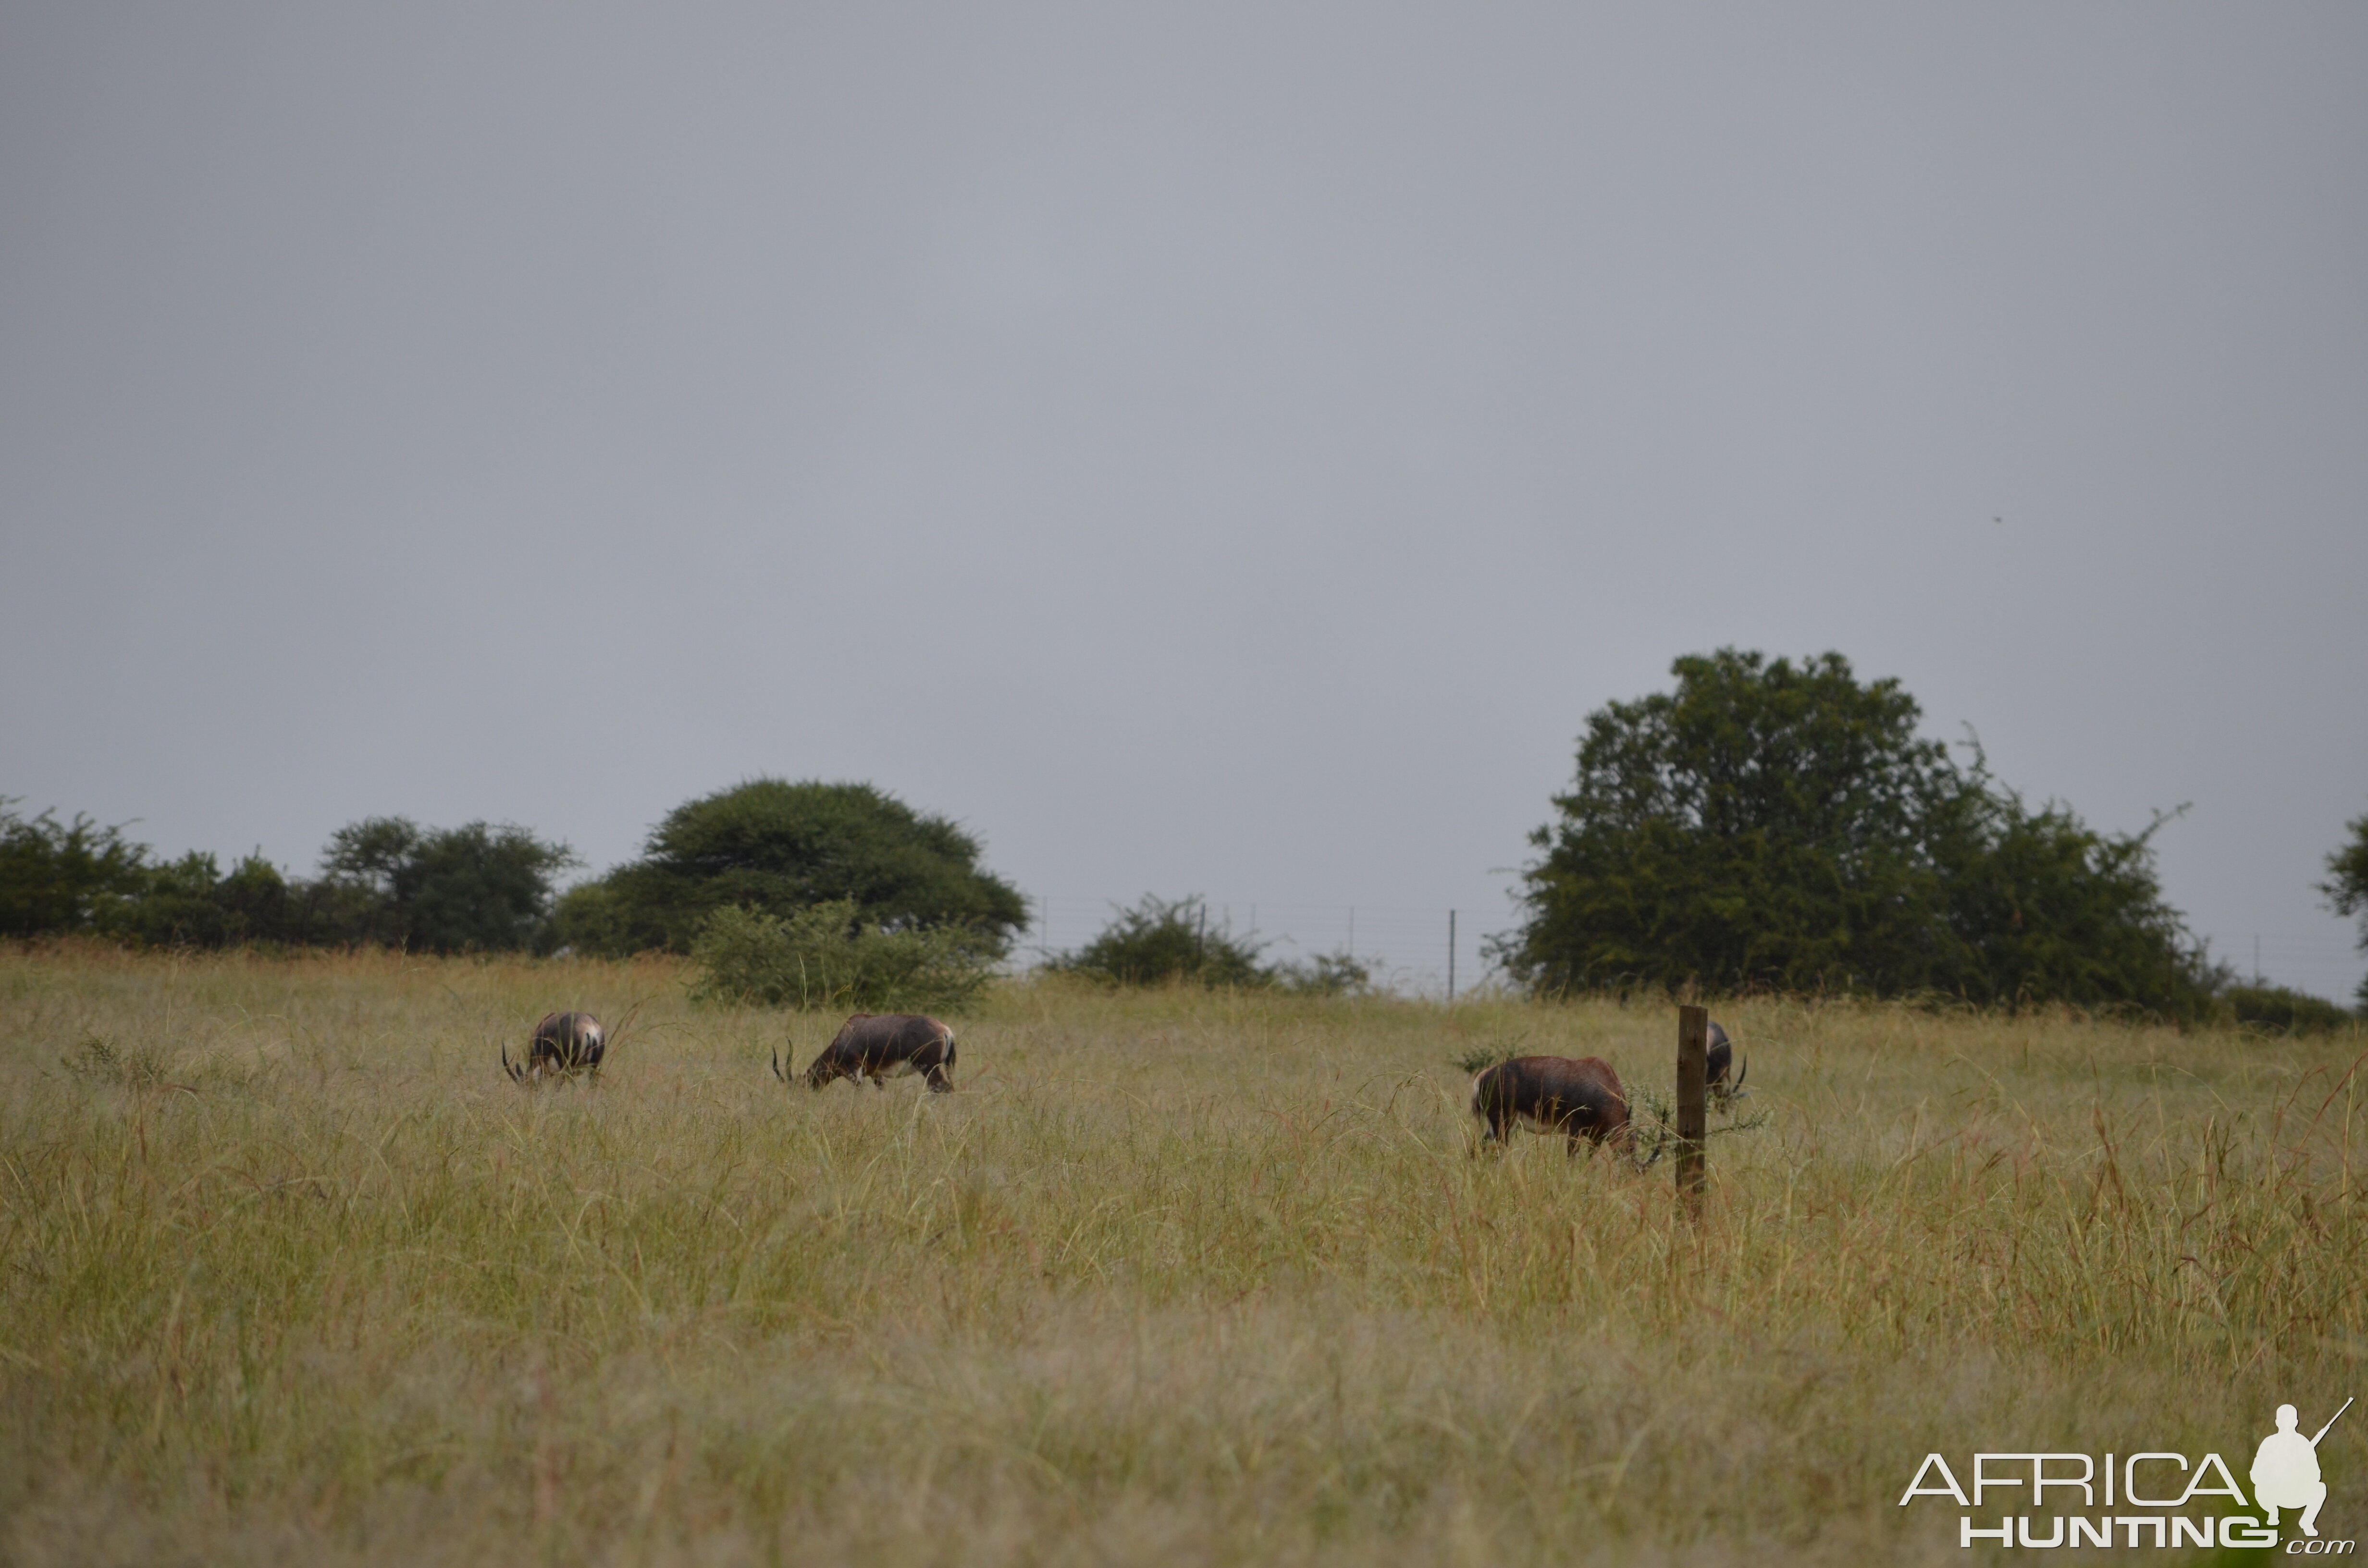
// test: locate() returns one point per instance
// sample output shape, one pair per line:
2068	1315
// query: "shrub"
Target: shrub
1325	974
828	956
191	903
2284	1011
2038	906
478	888
596	918
60	877
98	1060
183	904
1160	943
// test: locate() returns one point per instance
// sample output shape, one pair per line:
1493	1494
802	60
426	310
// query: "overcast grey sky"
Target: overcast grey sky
1215	447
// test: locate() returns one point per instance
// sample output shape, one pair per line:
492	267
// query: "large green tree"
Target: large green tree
777	847
477	887
191	903
1776	824
60	878
2039	907
2346	886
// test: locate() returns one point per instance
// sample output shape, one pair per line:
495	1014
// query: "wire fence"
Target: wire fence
1408	946
2324	963
1410	949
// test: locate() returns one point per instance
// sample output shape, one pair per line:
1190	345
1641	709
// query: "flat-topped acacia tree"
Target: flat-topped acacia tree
775	847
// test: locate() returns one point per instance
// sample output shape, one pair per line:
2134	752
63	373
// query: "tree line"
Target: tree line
767	847
383	881
1764	825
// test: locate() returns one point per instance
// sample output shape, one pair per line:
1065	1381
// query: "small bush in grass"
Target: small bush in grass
1160	941
826	955
1653	1120
1325	975
2286	1011
98	1060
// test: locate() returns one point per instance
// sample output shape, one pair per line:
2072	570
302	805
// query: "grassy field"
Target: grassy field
289	1272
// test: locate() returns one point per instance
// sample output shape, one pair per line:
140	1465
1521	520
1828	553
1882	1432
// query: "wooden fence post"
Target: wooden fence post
1693	1057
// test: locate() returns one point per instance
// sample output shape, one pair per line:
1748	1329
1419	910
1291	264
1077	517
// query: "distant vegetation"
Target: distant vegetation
1776	826
1766	826
2277	1009
385	881
1169	942
773	847
1161	942
784	861
2346	886
473	889
830	956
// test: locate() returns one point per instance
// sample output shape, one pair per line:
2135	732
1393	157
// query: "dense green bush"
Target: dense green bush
780	848
1769	825
190	903
60	878
2039	907
473	889
1325	974
1159	943
384	882
594	917
829	956
2278	1009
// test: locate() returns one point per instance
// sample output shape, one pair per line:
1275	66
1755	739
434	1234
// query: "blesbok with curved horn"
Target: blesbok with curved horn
1577	1096
564	1045
883	1045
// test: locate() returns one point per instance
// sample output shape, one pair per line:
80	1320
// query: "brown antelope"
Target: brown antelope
564	1045
1579	1097
883	1045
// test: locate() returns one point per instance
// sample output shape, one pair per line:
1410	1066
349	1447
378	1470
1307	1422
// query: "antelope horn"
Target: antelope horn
784	1077
516	1076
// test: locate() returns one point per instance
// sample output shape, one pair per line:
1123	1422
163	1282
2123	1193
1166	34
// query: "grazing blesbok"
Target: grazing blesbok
1721	1058
564	1045
1578	1097
883	1045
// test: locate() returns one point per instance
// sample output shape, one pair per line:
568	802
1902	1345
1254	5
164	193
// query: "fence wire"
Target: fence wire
1405	946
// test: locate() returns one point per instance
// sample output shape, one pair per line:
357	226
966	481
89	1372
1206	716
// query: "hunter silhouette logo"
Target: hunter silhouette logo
2150	1497
2285	1469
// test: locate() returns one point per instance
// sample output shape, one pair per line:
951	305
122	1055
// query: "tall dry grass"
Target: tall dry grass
289	1272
